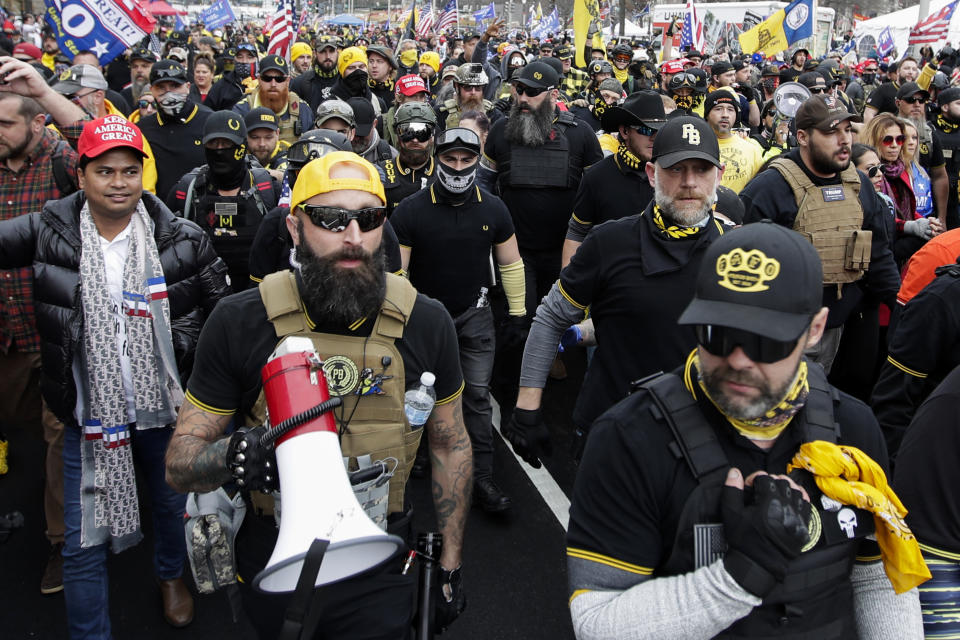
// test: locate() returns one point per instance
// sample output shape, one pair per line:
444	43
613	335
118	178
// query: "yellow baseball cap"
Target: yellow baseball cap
350	55
315	179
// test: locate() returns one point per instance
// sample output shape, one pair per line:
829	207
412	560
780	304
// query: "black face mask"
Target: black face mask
356	82
868	78
228	166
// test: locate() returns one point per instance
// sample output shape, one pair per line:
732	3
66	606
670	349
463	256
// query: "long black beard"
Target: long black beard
341	296
415	157
531	128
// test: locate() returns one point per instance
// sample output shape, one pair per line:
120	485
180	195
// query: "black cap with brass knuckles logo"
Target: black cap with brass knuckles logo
762	278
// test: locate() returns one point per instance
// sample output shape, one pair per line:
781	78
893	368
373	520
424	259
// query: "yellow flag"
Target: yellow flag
585	12
768	36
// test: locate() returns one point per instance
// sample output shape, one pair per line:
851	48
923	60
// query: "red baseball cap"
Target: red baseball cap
32	51
107	133
411	85
674	66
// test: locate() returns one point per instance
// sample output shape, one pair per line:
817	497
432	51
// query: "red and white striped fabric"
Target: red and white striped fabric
448	16
425	26
280	27
933	29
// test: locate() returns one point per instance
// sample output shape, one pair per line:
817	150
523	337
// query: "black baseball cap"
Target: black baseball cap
685	138
225	124
642	107
564	52
273	62
168	70
261	118
363	114
811	79
762	278
823	112
718	68
538	75
142	53
948	95
908	89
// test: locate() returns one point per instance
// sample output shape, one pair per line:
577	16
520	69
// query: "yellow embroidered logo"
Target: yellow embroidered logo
267	117
342	375
233	124
486	228
746	271
537	75
689	133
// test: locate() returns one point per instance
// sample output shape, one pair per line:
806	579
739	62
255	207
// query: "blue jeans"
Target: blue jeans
85	584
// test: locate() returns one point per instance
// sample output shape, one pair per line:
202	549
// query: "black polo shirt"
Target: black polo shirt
401	181
450	245
237	339
541	214
636	282
884	98
927	473
177	146
609	191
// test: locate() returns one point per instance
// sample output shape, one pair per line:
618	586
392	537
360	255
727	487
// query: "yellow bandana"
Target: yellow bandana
620	74
672	231
628	159
771	424
848	475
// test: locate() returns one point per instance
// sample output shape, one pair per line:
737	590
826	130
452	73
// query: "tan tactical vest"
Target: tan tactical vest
372	423
831	217
454	113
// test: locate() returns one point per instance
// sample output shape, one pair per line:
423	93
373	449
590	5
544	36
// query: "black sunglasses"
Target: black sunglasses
524	90
336	219
643	129
915	100
721	342
143	104
277	79
419	131
818	89
873	170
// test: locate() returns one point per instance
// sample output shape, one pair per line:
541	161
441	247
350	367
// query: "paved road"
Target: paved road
514	567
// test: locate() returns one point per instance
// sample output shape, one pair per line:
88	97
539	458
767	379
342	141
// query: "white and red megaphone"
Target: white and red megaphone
318	501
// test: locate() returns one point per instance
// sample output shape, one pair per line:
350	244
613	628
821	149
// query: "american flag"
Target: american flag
425	25
448	16
280	27
934	28
692	35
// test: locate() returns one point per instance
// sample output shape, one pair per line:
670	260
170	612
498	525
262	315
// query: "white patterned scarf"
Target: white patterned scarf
110	512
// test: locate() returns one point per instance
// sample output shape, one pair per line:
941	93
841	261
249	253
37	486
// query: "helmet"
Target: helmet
471	74
682	81
314	144
458	138
334	108
940	81
415	112
599	66
622	49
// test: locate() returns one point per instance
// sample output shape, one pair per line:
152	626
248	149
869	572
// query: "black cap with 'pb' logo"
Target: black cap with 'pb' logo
684	139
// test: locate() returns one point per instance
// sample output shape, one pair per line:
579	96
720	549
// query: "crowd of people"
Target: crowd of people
778	233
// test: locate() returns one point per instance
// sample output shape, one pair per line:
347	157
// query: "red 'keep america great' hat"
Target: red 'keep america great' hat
107	133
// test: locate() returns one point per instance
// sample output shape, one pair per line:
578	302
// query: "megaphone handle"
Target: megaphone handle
299	608
295	421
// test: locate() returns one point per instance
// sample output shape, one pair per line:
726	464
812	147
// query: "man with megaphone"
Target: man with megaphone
372	336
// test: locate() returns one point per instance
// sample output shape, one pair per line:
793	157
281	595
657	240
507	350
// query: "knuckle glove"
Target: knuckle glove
254	467
448	610
529	436
763	533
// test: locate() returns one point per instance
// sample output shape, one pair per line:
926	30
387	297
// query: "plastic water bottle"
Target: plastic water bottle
418	402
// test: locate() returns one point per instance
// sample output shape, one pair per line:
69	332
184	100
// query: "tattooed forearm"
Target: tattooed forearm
196	457
452	458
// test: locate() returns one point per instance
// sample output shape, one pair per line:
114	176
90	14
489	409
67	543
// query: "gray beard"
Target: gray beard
530	129
137	89
340	296
767	400
675	216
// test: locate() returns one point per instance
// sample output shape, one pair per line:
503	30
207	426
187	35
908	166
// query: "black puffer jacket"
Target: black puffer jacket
50	241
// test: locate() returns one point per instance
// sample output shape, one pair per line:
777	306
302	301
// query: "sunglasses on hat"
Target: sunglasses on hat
524	90
722	341
336	219
419	131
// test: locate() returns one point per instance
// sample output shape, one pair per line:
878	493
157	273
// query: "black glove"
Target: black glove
513	332
254	467
529	436
450	583
503	104
764	532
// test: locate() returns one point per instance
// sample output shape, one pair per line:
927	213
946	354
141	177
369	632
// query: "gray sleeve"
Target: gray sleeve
577	230
699	604
554	316
880	613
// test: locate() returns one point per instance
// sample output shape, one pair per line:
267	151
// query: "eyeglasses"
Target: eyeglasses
873	170
471	88
419	131
915	100
524	90
145	104
816	90
874	70
889	141
78	96
336	219
276	79
643	129
721	342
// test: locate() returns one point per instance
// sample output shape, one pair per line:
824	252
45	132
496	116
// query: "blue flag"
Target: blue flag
885	42
487	13
798	20
106	27
217	14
